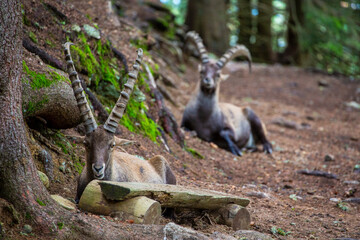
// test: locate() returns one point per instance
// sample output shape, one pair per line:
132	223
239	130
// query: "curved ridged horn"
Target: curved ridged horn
238	50
86	115
196	39
118	111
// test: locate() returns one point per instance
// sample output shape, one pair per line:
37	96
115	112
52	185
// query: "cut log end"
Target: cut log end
234	216
139	209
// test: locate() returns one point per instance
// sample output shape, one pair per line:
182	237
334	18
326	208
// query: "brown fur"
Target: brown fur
119	166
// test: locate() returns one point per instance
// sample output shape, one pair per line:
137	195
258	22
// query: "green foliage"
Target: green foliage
33	37
331	38
61	141
193	152
41	203
343	206
178	8
78	165
279	231
60	225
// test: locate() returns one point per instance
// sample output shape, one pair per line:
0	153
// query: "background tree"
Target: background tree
209	19
262	49
292	53
245	19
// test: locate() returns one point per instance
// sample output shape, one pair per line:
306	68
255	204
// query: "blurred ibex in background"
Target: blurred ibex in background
226	125
103	160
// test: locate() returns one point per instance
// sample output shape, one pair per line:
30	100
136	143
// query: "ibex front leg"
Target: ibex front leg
227	135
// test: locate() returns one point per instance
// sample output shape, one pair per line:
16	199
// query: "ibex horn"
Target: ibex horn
118	111
85	111
238	50
196	39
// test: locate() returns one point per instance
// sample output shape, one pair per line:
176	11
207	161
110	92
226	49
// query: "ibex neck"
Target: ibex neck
207	104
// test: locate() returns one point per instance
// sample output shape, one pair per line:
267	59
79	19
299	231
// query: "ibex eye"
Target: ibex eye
112	145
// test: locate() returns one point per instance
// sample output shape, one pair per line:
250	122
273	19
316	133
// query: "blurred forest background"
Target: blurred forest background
318	34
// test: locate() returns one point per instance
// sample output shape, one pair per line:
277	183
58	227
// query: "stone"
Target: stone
257	194
27	229
353	182
329	158
251	235
323	83
91	31
44	179
64	202
174	231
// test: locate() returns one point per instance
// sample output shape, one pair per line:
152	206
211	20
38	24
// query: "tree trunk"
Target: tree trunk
262	49
209	19
292	52
19	181
245	19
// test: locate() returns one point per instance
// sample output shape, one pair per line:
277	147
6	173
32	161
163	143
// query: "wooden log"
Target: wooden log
170	195
234	216
139	209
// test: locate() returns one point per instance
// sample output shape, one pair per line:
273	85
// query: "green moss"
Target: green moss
135	120
41	80
31	107
49	43
60	225
78	165
33	37
41	203
194	153
62	142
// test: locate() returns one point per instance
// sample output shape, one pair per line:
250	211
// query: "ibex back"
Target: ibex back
103	160
226	125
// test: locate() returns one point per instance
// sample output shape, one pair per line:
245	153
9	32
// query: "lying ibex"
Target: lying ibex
226	125
103	159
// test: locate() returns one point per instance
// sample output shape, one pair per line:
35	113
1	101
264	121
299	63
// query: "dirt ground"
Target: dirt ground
321	124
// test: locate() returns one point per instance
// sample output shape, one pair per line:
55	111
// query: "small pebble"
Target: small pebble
335	200
354	182
27	229
329	158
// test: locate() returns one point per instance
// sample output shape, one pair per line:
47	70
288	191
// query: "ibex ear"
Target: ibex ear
224	77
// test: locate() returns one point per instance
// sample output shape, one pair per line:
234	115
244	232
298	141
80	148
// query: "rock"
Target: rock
335	200
62	167
218	235
64	202
173	231
354	182
353	104
91	31
323	83
257	194
76	28
45	157
329	158
27	229
251	235
44	179
282	122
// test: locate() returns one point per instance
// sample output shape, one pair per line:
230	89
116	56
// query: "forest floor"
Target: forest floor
306	119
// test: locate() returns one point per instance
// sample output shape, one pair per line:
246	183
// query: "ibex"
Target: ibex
103	159
230	127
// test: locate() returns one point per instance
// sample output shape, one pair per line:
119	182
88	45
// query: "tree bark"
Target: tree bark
245	19
262	49
292	52
19	180
209	19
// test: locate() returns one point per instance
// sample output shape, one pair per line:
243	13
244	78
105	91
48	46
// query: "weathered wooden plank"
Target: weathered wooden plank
171	195
140	209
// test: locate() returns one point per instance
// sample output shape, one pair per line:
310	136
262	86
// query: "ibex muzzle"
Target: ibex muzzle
228	126
103	159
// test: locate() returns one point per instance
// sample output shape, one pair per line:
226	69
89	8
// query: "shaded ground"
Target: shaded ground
274	92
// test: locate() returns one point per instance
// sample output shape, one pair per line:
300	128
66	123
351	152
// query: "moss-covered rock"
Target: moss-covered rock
44	179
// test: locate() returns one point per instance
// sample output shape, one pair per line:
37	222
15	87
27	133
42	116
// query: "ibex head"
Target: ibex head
210	70
99	141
